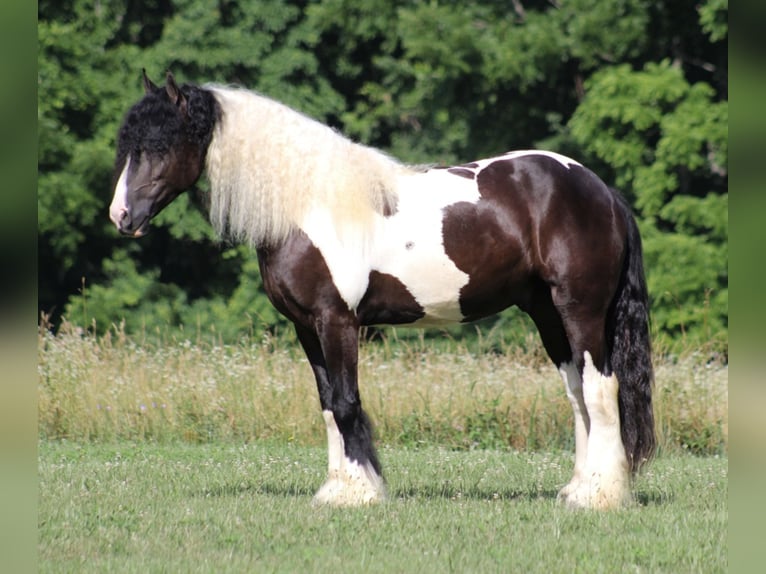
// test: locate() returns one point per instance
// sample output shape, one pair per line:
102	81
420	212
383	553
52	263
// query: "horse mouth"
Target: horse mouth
140	231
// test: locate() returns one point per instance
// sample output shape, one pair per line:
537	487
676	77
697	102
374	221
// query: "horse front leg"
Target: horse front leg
353	470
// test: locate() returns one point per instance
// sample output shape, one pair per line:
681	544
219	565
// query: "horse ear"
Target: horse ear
175	94
149	86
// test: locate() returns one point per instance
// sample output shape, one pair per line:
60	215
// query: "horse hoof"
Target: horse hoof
567	490
346	500
336	492
595	496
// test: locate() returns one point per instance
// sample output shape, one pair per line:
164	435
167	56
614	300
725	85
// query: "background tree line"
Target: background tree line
636	90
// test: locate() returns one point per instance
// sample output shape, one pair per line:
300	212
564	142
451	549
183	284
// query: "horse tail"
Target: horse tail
631	355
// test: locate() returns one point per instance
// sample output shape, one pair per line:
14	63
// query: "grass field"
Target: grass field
181	456
140	507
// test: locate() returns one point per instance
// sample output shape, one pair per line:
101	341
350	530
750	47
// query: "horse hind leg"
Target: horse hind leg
553	335
602	480
607	473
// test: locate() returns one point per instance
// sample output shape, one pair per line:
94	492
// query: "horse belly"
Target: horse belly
433	285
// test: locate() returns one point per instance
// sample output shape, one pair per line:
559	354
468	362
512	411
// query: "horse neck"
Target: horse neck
271	167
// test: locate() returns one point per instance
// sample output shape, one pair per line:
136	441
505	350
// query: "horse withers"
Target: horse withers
348	237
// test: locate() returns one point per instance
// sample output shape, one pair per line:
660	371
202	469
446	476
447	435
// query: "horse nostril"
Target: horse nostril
124	221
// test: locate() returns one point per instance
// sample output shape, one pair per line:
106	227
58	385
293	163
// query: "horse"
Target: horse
347	237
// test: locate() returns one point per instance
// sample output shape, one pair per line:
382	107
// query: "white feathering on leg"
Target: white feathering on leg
348	482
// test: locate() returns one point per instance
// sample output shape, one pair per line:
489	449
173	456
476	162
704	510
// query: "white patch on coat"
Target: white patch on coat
567	162
334	443
411	243
605	481
119	205
348	482
346	254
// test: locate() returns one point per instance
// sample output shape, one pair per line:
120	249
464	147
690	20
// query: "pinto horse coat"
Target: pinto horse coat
347	236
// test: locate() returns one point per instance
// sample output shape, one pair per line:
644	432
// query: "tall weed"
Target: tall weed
418	392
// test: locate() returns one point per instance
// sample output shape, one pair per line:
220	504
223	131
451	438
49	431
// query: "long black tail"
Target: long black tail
631	353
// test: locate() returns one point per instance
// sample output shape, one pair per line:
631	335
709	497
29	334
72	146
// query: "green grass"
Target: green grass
143	507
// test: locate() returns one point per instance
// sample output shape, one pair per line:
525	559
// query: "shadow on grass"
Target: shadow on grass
642	498
654	498
451	492
432	492
236	490
423	492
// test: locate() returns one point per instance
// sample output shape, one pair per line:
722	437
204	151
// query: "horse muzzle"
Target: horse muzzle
126	224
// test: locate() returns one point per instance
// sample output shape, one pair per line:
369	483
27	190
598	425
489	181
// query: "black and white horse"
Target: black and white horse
347	237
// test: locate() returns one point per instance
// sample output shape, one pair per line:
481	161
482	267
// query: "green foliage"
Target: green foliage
246	312
636	89
667	142
143	303
185	221
714	18
140	300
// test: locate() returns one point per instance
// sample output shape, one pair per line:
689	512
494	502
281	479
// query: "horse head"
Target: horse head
161	149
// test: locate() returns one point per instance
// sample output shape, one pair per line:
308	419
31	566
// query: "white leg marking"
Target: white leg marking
334	445
119	203
605	480
348	482
573	385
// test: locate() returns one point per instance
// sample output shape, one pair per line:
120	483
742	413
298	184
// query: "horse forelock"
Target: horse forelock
151	125
270	167
154	125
